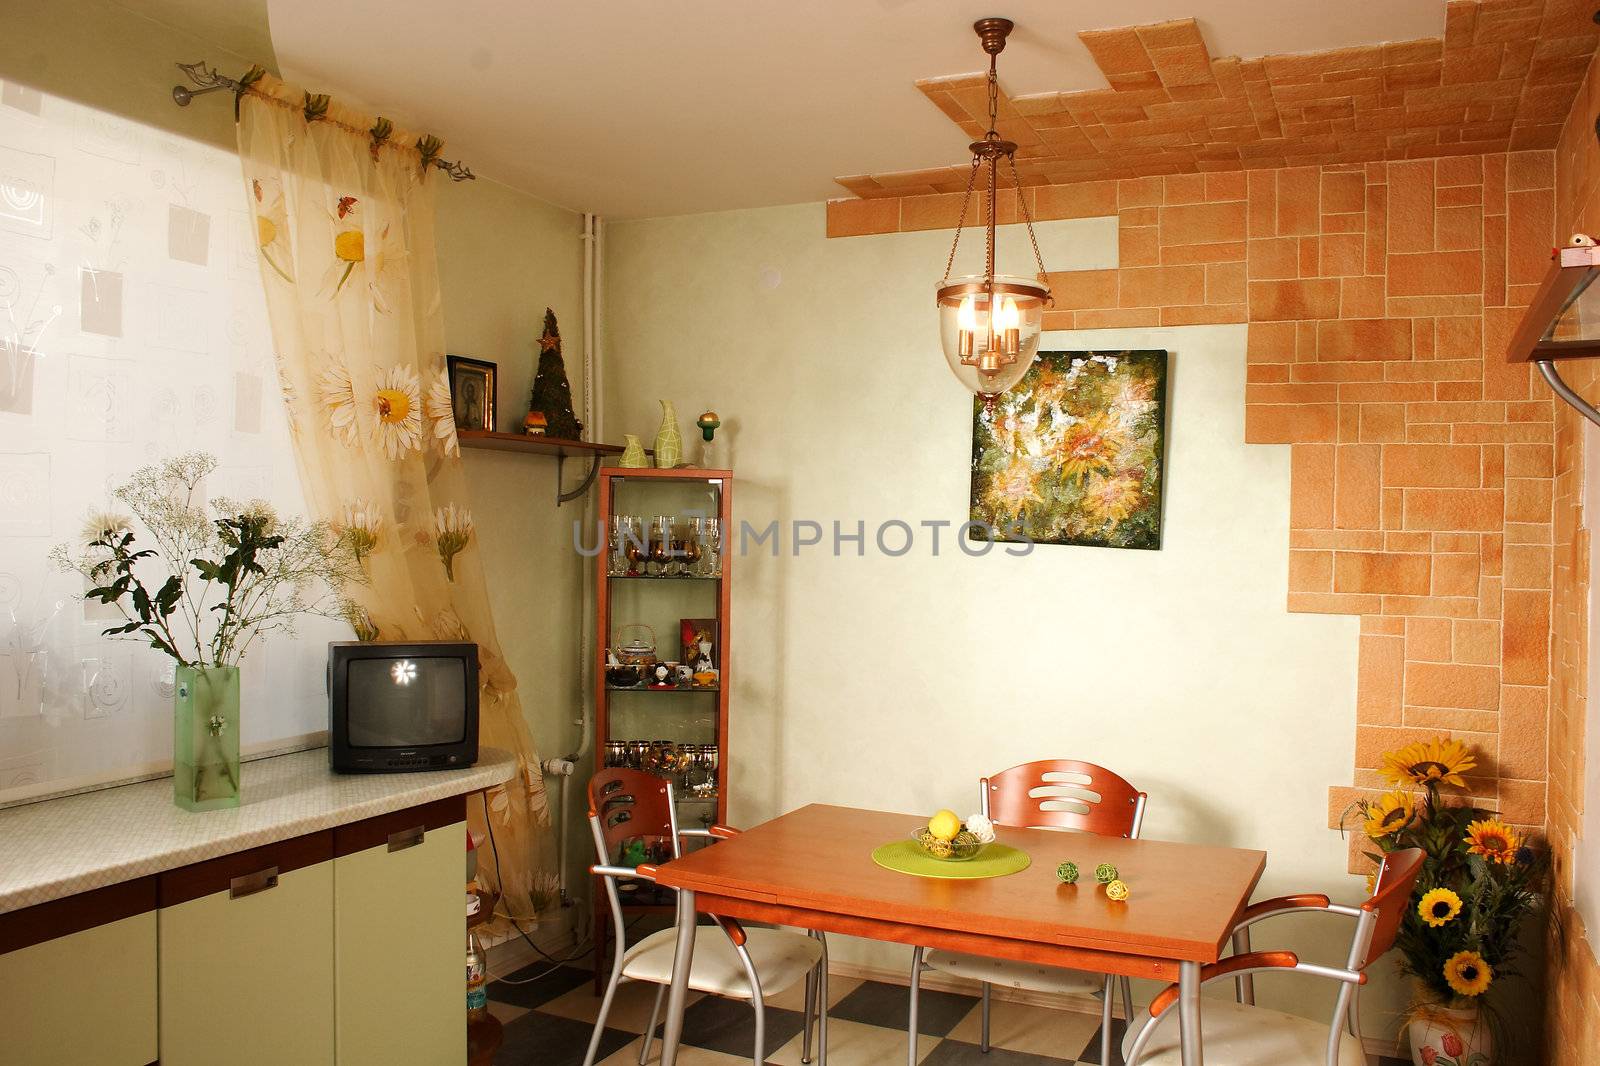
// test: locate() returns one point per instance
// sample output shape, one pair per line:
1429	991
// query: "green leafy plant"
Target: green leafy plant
225	573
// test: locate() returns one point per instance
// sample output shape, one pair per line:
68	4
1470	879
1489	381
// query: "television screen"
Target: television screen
406	702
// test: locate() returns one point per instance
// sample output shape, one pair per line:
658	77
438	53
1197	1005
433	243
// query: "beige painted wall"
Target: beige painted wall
503	258
895	683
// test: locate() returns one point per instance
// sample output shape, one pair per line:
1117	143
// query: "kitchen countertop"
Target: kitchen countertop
60	847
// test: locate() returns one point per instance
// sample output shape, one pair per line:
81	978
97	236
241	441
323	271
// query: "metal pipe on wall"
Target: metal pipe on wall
567	766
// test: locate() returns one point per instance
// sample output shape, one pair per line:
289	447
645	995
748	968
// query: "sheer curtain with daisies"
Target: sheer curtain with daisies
344	225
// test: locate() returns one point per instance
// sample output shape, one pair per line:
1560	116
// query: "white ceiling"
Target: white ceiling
636	108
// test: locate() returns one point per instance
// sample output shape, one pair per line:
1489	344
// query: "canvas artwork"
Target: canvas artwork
1074	453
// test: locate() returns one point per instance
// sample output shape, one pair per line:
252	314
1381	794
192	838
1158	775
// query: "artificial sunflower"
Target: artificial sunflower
1467	973
1439	760
1439	907
1390	813
1494	840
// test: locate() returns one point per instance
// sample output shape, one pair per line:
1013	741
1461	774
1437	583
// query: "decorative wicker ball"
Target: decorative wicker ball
1117	890
1067	873
1105	873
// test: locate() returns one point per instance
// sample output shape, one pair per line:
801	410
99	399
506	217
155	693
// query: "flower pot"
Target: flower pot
205	746
1450	1036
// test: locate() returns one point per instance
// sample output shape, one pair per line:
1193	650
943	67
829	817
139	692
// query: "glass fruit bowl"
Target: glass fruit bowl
964	846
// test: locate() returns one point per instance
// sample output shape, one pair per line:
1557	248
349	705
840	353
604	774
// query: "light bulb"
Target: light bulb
967	317
1009	317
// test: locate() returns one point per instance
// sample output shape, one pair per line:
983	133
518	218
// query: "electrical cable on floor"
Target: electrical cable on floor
494	850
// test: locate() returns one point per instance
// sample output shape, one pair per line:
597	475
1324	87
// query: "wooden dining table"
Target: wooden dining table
813	869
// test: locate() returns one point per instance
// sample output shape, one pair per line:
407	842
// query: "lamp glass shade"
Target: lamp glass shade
989	354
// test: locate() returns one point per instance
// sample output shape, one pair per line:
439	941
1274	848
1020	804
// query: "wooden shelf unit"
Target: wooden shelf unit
686	590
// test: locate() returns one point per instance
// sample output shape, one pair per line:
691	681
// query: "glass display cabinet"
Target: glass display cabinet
662	638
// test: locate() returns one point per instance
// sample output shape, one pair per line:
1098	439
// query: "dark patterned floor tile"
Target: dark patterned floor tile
543	989
729	1026
537	1039
956	1053
877	1003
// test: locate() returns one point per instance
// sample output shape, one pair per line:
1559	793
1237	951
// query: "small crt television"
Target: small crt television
394	707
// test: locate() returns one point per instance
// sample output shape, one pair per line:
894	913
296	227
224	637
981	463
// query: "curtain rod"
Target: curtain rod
207	79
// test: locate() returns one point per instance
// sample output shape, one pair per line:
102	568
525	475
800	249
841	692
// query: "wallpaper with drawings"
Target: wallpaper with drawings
132	327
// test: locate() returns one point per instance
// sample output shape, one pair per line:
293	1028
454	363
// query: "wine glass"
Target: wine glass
660	545
633	544
617	558
710	542
689	553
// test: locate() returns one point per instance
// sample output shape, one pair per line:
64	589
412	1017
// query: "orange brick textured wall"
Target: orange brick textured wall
1379	298
1573	984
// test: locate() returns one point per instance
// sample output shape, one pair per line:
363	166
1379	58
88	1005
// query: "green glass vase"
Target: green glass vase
205	746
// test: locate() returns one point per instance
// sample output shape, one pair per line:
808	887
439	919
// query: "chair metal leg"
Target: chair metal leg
1106	1015
822	1003
811	1006
1244	984
650	1032
916	994
600	1019
759	1055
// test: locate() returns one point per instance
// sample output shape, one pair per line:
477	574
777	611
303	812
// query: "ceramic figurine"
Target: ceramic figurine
633	454
669	442
534	424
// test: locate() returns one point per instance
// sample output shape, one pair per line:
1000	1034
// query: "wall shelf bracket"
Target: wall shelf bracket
583	486
1563	390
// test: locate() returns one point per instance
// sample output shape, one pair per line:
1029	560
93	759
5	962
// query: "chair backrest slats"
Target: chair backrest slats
1064	794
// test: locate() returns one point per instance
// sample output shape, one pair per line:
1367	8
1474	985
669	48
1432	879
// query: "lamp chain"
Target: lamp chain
961	220
1027	217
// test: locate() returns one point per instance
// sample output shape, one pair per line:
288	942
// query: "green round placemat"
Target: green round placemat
995	860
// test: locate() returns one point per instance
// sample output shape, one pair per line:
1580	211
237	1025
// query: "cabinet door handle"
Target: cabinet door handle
250	884
407	838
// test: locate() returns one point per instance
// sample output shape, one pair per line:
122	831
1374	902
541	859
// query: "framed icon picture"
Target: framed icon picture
472	392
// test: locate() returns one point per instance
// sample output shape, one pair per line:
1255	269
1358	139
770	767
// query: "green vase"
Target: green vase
669	441
205	745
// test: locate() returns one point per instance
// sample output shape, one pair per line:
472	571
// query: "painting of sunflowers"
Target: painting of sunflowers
1074	453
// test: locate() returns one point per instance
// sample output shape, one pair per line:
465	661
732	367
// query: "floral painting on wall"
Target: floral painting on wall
1074	454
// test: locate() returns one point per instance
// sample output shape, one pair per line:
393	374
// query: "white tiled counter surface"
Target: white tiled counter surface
59	847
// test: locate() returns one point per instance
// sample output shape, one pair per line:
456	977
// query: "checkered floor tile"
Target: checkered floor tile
550	1021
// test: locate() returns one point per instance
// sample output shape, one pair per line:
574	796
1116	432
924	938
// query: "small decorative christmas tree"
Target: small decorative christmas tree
552	395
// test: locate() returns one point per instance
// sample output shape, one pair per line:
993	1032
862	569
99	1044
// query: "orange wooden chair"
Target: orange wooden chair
1242	1034
747	964
1050	794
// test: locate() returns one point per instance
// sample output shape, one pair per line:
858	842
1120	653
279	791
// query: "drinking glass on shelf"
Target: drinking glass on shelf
633	544
623	527
689	552
660	545
709	540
